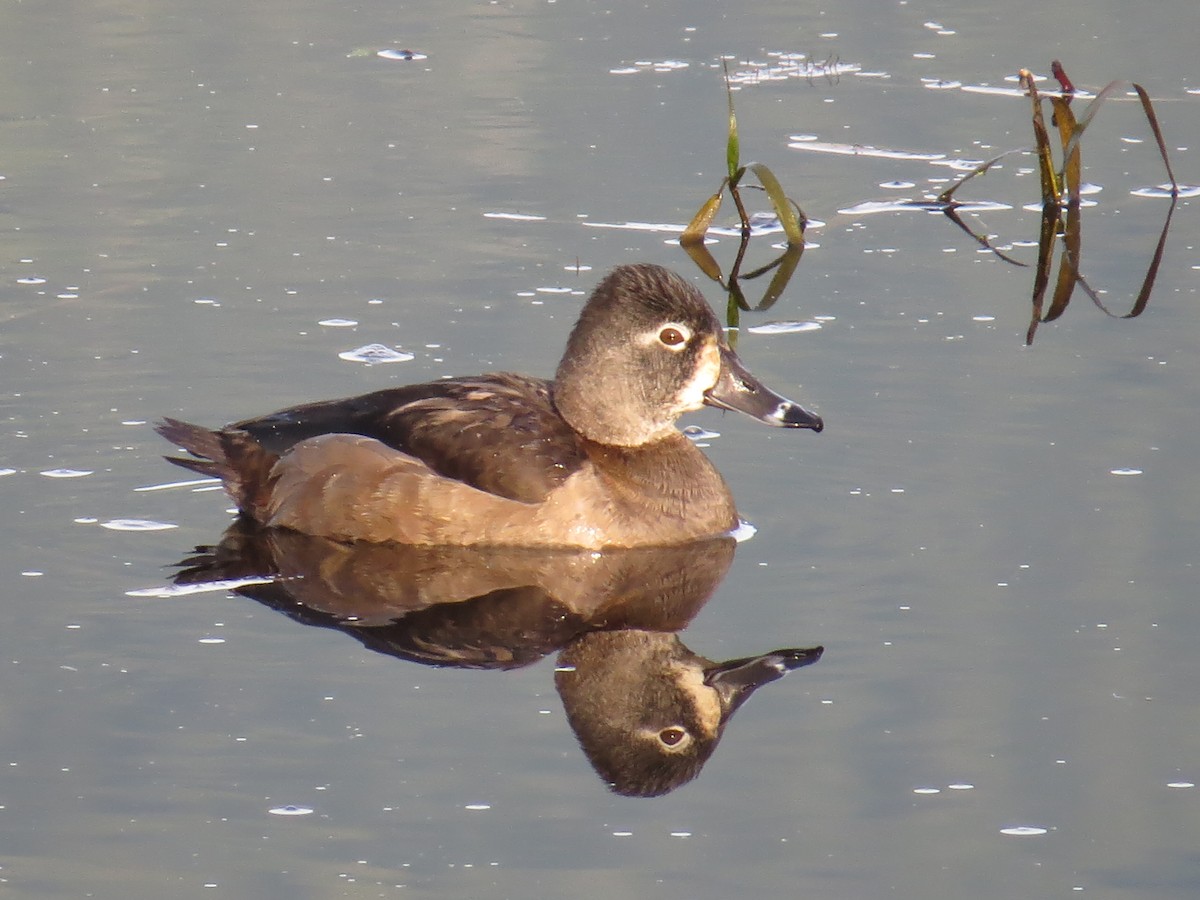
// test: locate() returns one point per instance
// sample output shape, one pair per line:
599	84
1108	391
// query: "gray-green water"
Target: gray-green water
201	184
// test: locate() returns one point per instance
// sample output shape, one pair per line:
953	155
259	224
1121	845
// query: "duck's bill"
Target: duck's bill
738	390
737	679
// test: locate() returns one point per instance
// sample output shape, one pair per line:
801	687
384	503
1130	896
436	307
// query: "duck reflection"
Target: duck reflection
647	711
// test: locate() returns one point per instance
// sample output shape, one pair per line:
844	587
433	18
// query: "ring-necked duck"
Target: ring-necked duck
590	459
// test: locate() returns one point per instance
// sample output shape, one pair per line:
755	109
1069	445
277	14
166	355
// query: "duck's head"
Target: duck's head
648	348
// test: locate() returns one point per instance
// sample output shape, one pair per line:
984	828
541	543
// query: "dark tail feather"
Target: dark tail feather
199	442
232	456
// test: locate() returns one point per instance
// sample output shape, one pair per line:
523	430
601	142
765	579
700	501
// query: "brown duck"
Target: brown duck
591	459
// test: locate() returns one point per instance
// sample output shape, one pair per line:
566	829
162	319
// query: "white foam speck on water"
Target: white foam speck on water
514	217
1125	471
696	433
204	587
338	323
399	55
1165	190
169	485
137	525
743	531
784	327
374	354
478	806
1024	830
66	473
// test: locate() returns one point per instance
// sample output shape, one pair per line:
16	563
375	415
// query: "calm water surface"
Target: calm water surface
996	544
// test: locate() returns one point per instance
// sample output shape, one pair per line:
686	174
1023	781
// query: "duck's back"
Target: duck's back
498	433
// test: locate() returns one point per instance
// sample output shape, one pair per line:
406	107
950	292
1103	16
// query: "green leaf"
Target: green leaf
732	150
793	227
698	227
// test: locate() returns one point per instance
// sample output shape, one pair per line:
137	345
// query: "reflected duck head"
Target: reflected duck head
648	712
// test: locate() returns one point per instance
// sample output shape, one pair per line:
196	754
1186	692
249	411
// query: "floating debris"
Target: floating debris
805	142
401	55
170	485
784	327
163	592
784	66
291	810
514	217
136	525
374	354
1165	190
638	226
869	207
696	433
66	473
743	531
1024	830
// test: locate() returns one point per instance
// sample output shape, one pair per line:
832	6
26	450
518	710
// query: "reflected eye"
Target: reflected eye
672	736
671	336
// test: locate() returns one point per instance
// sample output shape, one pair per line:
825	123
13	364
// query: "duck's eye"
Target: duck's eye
672	736
671	336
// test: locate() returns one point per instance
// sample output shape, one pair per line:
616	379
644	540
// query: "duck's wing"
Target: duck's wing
498	433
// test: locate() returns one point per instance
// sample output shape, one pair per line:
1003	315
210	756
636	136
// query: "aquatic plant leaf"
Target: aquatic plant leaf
1050	189
1143	296
733	313
1148	108
1070	176
704	260
793	225
785	267
952	214
734	180
1041	279
947	195
698	227
732	147
1068	263
1071	144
